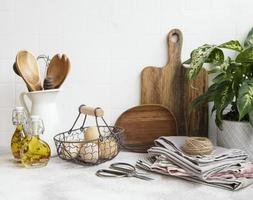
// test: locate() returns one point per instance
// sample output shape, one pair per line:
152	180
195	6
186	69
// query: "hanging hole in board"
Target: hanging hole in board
174	38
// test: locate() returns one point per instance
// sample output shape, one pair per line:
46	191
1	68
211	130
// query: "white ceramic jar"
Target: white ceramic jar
43	104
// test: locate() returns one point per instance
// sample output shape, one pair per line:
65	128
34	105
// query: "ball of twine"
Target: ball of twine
198	146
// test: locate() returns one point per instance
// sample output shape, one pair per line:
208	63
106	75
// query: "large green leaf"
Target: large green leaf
213	70
245	98
223	75
198	58
199	101
233	45
213	109
248	69
218	122
226	64
206	97
245	56
188	61
221	78
249	40
222	99
216	56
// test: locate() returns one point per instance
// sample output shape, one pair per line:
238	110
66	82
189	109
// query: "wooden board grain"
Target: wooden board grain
143	124
169	86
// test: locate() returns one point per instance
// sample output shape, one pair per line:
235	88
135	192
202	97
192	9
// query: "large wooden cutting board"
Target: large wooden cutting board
143	124
169	86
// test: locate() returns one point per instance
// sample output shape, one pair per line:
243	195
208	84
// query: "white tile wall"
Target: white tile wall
108	42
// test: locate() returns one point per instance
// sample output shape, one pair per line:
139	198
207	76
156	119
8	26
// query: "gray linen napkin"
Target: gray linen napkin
199	168
176	143
229	184
186	164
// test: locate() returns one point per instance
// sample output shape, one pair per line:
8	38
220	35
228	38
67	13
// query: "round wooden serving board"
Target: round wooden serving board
143	124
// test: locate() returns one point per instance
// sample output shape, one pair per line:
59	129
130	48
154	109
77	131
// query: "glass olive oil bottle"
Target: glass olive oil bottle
19	118
35	152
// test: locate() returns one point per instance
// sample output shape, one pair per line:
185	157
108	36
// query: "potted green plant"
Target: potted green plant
231	91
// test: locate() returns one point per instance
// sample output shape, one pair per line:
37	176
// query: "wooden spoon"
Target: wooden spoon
58	69
28	68
16	72
15	68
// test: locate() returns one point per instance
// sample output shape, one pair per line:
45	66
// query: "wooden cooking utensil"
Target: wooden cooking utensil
169	86
16	72
143	124
14	67
48	83
58	69
28	68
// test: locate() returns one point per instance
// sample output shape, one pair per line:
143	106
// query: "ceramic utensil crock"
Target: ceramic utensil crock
43	104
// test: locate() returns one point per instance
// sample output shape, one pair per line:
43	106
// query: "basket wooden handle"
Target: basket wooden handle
97	112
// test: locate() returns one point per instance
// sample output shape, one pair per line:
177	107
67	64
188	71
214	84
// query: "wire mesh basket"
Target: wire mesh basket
74	144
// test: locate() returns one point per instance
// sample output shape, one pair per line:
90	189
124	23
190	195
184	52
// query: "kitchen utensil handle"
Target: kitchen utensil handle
15	68
125	167
110	173
23	102
97	112
146	178
174	42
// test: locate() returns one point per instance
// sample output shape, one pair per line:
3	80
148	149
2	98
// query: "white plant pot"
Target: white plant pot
237	135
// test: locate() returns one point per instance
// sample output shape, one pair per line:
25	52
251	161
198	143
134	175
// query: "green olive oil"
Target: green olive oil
18	119
35	152
16	142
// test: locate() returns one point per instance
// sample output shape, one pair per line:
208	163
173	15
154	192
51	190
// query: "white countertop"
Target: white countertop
61	180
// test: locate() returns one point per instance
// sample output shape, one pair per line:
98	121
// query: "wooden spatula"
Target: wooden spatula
58	70
143	124
169	86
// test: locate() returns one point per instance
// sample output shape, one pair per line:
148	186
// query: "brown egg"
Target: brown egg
91	133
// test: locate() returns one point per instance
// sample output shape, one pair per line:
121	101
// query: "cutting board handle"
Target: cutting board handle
174	42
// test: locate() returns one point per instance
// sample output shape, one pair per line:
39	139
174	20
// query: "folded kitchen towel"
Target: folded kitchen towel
245	171
201	166
236	171
166	166
200	171
149	163
224	168
175	143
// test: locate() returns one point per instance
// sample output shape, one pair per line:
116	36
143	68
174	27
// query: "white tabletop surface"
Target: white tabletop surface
61	180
